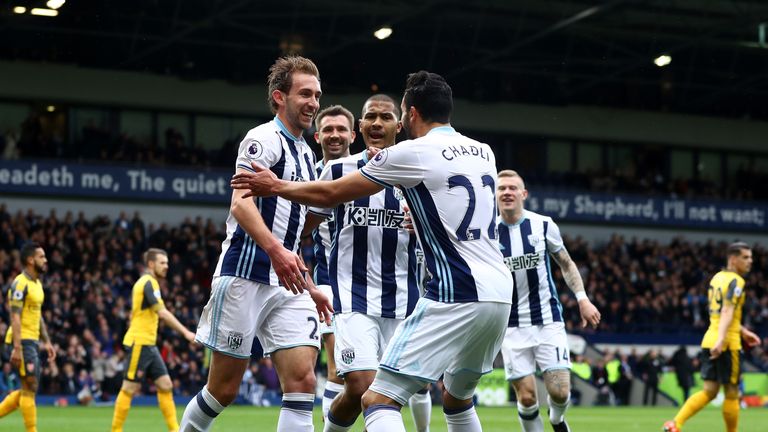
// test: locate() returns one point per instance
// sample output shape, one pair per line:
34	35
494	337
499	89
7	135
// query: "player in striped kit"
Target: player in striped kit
448	181
259	287
334	127
536	333
372	268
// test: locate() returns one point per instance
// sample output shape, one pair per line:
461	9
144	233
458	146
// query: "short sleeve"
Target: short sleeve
151	298
396	166
17	294
735	291
554	239
261	148
324	175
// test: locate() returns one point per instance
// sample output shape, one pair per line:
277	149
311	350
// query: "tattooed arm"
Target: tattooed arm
589	313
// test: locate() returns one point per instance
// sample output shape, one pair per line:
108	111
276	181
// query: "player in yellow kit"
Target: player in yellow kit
27	328
142	356
721	346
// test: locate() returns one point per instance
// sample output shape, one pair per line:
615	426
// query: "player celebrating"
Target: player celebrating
721	346
448	181
536	333
142	356
27	328
334	132
259	287
381	289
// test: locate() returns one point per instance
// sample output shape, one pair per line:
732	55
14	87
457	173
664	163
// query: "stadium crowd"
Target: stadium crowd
641	286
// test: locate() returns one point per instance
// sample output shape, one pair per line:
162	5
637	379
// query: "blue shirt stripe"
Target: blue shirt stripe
461	286
388	260
534	301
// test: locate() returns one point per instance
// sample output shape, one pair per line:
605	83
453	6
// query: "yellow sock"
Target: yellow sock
10	403
731	414
168	408
122	406
694	403
28	410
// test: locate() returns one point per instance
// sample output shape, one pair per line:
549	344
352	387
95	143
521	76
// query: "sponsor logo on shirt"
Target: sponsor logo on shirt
523	262
373	217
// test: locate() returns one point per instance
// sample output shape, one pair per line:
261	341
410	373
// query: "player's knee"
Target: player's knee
302	382
527	400
369	399
224	395
31	384
356	385
731	392
560	395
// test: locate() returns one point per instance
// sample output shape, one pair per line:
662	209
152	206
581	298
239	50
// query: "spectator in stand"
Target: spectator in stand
651	368
683	370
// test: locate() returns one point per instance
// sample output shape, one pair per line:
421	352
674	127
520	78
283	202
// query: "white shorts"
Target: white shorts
241	309
457	340
361	340
526	347
325	328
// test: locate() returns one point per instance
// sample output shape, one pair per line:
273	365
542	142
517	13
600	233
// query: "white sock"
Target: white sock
529	417
383	418
557	411
465	420
332	424
421	409
200	412
296	413
331	391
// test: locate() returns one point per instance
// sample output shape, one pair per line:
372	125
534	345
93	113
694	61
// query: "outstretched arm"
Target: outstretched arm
326	194
589	313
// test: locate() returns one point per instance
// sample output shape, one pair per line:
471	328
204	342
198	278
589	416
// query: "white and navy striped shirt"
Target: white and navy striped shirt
372	264
322	239
449	182
526	246
270	145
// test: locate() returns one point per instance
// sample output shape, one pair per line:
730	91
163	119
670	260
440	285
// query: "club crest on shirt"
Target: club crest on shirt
255	149
234	340
348	355
533	239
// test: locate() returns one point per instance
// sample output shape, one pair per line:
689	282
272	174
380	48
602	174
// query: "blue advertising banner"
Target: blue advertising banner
629	209
145	184
152	184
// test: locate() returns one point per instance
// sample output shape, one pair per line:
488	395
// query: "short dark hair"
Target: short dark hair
281	75
335	110
431	95
381	97
152	253
28	250
734	249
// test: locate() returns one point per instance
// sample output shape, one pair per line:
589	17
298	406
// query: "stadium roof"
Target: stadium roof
551	52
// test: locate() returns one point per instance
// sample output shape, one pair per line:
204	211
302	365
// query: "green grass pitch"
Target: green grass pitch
239	418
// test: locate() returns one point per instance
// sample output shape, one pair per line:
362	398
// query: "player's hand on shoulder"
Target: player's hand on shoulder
589	314
258	183
370	152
